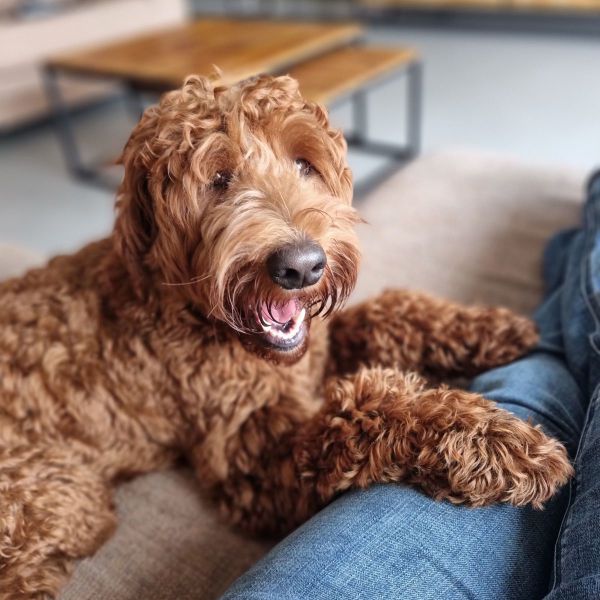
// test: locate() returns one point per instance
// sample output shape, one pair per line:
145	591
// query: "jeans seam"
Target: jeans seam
456	582
573	486
589	297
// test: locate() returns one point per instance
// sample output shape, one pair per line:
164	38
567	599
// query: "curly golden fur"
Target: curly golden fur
148	346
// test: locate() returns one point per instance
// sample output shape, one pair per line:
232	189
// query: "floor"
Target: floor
535	97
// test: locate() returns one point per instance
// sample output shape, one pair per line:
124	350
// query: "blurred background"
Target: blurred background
511	77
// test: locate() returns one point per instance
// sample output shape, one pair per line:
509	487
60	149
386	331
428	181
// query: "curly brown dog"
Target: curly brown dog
197	329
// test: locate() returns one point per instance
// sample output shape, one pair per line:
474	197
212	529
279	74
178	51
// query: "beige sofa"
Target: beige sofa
26	44
462	225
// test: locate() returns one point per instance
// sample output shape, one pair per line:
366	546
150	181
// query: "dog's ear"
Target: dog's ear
135	226
154	156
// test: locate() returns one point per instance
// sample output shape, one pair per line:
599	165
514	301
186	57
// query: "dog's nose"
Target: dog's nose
297	265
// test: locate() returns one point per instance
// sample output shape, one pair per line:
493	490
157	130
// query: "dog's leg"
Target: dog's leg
379	425
435	337
53	509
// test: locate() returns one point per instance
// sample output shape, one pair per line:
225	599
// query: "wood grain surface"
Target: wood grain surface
240	48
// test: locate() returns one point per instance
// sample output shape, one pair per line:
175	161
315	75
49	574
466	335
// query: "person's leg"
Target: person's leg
577	558
393	542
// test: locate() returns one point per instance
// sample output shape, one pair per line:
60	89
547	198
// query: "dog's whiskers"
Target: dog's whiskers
192	281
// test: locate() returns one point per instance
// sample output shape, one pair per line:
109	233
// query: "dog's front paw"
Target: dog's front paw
509	336
508	461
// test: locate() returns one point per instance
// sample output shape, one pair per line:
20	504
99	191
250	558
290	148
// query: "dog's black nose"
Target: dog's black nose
297	265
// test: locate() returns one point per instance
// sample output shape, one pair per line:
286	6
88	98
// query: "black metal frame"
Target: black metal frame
65	129
501	20
64	126
358	138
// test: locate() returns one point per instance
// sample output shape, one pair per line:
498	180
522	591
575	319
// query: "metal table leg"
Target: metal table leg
414	110
360	118
65	129
64	126
399	154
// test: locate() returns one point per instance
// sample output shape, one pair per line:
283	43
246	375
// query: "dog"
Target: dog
199	329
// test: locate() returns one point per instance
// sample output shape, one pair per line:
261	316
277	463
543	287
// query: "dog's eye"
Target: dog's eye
221	180
303	166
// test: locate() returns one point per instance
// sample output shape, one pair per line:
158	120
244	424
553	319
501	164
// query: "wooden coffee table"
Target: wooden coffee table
329	61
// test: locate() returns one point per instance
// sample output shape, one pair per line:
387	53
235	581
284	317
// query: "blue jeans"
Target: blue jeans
392	541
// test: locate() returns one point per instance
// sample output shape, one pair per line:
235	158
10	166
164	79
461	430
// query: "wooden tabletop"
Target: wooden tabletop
240	48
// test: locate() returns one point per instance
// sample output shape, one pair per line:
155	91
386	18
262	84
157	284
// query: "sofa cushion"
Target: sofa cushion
15	259
462	225
169	545
467	226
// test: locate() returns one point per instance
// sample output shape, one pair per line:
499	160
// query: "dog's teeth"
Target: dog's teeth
287	331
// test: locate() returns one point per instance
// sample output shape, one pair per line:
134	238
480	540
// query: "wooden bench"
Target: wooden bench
331	76
325	58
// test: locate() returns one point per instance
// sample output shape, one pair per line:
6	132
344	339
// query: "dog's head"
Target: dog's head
239	199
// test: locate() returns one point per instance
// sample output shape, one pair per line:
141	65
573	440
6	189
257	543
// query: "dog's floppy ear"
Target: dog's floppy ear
135	226
155	155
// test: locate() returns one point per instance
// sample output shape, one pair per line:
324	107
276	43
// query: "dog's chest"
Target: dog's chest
230	383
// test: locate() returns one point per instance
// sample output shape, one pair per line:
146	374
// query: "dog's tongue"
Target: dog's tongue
280	313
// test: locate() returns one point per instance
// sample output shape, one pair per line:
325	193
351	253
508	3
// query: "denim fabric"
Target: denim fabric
391	541
577	559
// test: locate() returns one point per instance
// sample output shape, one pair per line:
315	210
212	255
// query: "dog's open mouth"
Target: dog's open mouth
283	325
